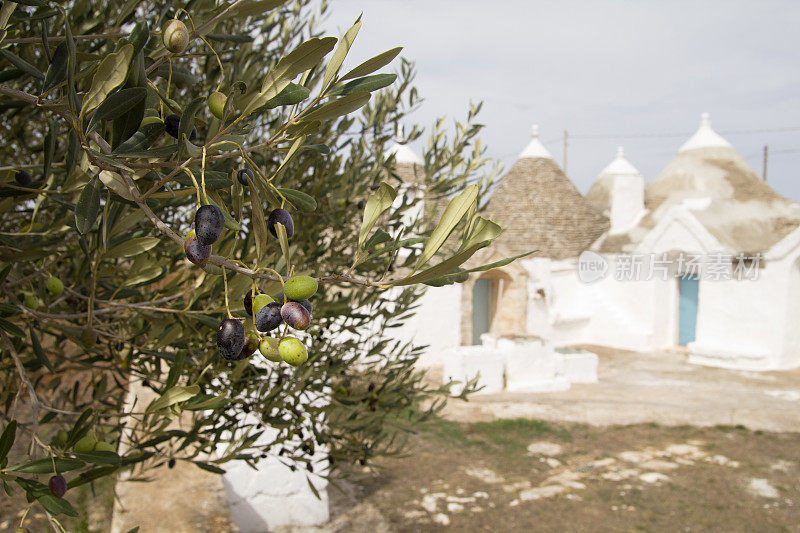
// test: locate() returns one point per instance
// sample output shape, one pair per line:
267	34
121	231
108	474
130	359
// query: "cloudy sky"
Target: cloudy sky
630	73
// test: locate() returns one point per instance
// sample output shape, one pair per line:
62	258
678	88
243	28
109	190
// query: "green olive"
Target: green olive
85	444
300	288
293	351
260	301
269	349
216	104
54	286
105	447
31	301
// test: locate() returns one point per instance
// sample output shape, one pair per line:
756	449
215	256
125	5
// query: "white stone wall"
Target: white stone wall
437	323
274	496
627	202
518	366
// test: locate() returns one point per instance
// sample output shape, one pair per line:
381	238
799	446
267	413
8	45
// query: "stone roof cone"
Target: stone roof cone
540	208
707	166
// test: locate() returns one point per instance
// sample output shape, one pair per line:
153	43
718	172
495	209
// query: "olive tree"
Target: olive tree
196	201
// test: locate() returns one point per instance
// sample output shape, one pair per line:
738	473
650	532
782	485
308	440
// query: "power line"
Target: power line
683	134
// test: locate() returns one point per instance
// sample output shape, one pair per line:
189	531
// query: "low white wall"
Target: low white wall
274	496
518	366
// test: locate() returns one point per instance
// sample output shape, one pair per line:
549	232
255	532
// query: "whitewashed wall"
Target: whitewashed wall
437	323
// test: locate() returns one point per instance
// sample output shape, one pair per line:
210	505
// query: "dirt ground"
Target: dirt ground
655	445
525	475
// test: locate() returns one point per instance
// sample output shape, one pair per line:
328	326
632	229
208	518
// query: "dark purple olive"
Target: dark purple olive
172	124
243	174
250	346
296	315
171	463
230	339
196	252
58	486
360	205
268	318
248	302
208	224
280	216
307	305
23	178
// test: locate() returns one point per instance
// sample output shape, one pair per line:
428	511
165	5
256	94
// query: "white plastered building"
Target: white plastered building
718	252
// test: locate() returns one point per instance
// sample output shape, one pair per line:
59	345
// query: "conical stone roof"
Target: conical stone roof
540	209
708	166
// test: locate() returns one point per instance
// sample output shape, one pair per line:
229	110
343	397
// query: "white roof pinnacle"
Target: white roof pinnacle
535	148
403	154
705	137
620	166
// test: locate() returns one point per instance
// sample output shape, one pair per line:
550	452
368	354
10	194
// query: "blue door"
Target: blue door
687	309
480	310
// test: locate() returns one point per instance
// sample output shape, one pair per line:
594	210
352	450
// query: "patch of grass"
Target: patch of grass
515	434
446	431
512	435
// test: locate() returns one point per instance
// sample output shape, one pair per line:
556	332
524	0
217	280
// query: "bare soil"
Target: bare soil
481	477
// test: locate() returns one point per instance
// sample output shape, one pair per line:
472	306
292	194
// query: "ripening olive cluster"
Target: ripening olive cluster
267	315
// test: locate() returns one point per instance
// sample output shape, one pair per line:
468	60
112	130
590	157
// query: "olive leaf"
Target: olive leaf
111	72
11	328
487	230
453	213
57	71
371	65
46	465
377	204
88	207
39	352
141	141
306	56
172	396
56	506
299	199
290	95
280	229
7	439
365	84
132	247
22	64
116	183
336	108
340	53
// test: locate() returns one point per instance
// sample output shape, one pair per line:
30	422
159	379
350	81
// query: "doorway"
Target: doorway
480	309
688	285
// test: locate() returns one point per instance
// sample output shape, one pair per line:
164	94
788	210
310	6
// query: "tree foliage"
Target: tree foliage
88	87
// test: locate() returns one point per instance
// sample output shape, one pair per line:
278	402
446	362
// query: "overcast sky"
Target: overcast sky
619	69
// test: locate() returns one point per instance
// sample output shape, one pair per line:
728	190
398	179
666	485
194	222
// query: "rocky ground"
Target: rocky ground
523	475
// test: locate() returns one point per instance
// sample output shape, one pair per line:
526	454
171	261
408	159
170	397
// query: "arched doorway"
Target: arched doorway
488	294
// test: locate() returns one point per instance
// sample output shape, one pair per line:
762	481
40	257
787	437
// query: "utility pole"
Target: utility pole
564	166
764	169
